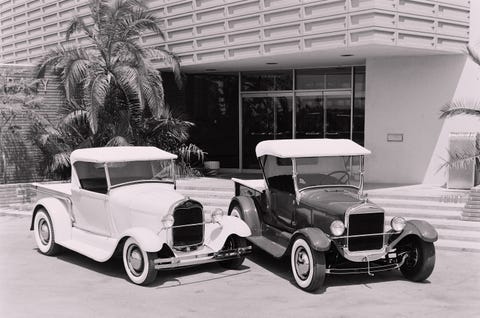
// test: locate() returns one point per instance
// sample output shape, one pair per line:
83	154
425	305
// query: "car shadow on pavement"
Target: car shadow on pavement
113	267
194	275
281	268
165	278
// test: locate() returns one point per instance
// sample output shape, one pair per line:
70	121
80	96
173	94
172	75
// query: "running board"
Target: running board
267	245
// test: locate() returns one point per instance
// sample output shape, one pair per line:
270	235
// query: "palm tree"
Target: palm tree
113	93
112	83
17	99
464	156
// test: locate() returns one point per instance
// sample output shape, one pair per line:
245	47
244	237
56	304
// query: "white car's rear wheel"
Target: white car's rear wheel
138	264
308	265
43	233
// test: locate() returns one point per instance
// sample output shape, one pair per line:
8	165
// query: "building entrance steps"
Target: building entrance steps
440	207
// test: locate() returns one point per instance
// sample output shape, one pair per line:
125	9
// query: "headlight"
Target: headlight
337	228
217	215
168	221
398	223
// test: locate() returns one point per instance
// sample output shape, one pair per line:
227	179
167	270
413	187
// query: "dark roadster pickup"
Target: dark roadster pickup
310	206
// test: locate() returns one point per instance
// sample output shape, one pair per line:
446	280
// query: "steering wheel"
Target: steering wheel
343	178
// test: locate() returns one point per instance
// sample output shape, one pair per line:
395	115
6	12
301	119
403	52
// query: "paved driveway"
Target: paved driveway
70	285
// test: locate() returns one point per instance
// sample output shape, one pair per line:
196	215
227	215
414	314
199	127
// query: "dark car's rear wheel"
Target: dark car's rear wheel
308	265
138	263
234	242
420	259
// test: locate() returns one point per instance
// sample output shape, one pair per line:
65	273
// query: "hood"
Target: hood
149	197
332	201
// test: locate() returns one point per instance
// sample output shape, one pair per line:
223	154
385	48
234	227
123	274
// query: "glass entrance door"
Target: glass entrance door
337	115
323	114
265	117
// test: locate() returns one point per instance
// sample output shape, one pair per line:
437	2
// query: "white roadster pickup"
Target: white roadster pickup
124	199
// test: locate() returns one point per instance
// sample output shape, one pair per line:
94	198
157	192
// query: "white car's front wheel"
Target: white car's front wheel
43	233
308	265
138	264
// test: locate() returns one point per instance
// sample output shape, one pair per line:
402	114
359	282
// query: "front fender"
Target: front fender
148	240
60	216
422	229
217	233
317	239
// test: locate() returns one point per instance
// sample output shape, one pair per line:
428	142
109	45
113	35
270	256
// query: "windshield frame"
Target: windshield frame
172	181
299	191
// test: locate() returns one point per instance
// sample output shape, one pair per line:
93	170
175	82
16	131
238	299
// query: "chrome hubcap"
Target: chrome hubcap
44	231
302	263
135	260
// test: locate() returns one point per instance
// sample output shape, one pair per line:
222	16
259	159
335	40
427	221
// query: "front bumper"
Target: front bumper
369	267
189	259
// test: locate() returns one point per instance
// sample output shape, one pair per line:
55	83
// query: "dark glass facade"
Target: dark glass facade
233	112
212	105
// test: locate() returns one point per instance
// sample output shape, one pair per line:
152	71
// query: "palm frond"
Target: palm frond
169	58
60	160
474	55
461	158
118	141
459	107
77	24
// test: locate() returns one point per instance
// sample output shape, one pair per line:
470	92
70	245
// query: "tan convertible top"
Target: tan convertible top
120	154
303	148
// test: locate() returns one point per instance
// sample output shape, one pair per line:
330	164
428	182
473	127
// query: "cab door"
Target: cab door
90	207
283	206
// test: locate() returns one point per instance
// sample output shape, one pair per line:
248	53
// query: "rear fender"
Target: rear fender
217	233
317	239
249	213
422	229
60	216
148	240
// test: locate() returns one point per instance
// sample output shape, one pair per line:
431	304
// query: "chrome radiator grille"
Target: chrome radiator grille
188	225
364	224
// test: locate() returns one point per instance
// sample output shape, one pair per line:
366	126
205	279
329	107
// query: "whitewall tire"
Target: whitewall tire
308	265
44	233
138	264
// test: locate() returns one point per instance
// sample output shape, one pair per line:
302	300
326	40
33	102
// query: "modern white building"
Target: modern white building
375	71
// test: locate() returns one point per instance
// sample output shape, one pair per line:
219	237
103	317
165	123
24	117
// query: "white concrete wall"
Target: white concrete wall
404	95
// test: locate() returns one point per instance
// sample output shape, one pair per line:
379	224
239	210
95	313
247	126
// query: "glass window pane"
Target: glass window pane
337	78
310	79
267	81
359	105
264	118
310	117
337	116
91	176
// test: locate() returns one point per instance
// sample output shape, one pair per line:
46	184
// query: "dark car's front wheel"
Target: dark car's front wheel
420	259
234	242
308	265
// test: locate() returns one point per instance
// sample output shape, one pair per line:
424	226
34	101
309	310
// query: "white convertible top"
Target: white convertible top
120	154
302	148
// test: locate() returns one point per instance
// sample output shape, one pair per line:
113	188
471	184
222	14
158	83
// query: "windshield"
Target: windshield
134	171
327	171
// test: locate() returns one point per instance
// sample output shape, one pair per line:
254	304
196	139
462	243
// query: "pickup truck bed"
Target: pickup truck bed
54	189
256	184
